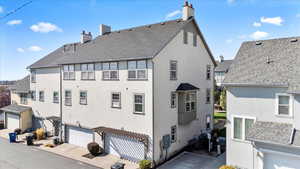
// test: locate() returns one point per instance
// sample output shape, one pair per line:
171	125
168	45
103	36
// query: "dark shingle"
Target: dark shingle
186	86
22	86
223	66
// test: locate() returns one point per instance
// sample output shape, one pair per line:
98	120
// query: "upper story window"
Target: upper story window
173	99
195	39
23	97
116	100
83	97
190	101
241	126
33	76
68	98
110	71
208	72
69	72
33	95
55	97
185	37
137	69
139	103
41	96
208	96
284	104
88	71
173	70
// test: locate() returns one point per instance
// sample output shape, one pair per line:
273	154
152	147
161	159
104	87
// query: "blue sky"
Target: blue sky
44	25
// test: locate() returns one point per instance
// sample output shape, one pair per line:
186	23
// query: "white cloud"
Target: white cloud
257	24
21	50
259	35
275	21
230	1
1	9
172	14
298	15
35	48
229	41
14	22
45	27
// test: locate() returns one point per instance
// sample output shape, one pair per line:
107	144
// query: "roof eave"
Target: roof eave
254	85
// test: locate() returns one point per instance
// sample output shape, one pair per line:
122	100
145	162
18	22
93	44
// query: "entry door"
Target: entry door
12	121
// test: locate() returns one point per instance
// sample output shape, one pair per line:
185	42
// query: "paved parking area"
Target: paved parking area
187	160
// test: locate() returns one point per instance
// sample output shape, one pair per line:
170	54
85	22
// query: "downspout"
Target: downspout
153	139
60	90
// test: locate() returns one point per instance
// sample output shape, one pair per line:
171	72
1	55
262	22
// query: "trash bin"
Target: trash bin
118	165
55	140
12	137
29	139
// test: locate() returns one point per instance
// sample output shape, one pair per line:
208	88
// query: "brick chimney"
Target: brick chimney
85	37
187	11
104	29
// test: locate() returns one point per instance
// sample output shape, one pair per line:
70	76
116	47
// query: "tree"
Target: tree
223	99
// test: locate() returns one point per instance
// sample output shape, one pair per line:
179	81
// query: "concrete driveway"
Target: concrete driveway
187	160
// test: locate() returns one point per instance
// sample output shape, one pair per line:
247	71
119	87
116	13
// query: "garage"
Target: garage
12	121
124	147
79	136
281	161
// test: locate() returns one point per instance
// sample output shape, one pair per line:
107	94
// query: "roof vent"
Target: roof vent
258	43
269	60
294	40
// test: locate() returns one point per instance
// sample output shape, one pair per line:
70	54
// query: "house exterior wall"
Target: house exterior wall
256	102
191	68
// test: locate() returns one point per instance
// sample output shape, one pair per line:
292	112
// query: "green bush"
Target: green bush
145	164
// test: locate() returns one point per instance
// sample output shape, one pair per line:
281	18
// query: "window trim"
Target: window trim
66	98
185	101
171	100
208	91
33	72
54	101
243	126
291	105
86	97
120	100
110	70
208	72
170	69
143	103
33	95
136	70
88	71
24	98
63	72
41	100
175	134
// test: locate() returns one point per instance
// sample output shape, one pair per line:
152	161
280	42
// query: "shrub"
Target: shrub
227	167
145	164
93	148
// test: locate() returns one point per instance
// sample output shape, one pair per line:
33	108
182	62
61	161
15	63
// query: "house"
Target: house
221	70
262	105
18	114
141	93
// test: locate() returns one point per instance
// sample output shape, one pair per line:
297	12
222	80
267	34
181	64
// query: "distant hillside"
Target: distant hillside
7	83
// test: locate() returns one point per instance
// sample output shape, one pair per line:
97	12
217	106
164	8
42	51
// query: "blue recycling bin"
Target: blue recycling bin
12	137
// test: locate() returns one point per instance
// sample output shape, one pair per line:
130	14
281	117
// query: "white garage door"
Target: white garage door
124	147
13	121
79	136
276	161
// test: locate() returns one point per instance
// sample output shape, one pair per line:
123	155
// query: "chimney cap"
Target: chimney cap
186	3
191	5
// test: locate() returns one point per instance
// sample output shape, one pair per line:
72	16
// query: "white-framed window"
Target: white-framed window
23	97
33	76
68	98
194	39
241	126
137	70
185	37
173	70
208	96
83	97
69	72
41	96
33	95
110	71
139	103
173	99
284	104
87	71
173	134
208	72
116	100
55	97
190	101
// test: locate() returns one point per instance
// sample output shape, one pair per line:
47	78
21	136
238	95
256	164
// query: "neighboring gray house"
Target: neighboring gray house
130	90
263	105
221	70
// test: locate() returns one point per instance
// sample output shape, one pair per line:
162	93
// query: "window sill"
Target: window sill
137	79
88	79
56	102
173	79
139	113
111	79
284	116
68	105
84	104
70	79
116	107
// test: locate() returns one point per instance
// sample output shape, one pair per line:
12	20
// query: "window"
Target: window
23	97
173	99
241	127
116	100
83	97
55	97
284	104
137	69
68	98
207	99
208	72
139	103
173	134
190	101
195	39
208	121
41	96
69	72
33	76
173	70
110	71
87	71
33	95
185	37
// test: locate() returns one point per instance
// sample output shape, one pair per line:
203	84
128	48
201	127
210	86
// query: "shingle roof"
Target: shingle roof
22	86
14	108
186	86
223	66
251	64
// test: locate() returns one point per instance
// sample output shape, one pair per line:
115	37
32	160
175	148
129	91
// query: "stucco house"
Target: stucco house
141	93
263	105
